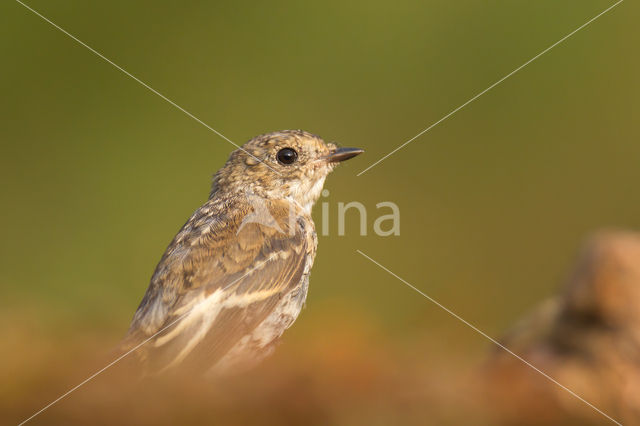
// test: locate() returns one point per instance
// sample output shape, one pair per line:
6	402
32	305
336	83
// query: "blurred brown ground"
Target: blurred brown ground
350	376
587	338
347	372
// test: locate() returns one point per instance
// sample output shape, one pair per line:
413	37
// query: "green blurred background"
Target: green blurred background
98	173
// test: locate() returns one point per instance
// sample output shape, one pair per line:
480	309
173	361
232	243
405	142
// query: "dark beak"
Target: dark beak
342	154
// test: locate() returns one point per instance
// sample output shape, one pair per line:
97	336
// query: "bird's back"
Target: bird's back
229	284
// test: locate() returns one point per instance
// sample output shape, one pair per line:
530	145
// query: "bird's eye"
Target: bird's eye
287	156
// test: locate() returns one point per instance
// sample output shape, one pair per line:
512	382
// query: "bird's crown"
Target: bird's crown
289	164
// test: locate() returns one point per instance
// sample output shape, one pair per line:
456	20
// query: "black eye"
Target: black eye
287	156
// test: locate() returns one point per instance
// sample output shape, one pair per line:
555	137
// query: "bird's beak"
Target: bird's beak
342	154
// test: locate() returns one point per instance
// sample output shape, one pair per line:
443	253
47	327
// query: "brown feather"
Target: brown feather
236	275
259	264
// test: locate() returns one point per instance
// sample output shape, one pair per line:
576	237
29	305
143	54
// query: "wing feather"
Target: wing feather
217	281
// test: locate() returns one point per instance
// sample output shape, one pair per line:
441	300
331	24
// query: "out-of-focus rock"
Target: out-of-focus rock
587	338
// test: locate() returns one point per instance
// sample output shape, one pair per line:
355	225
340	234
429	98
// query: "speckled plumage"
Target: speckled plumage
236	275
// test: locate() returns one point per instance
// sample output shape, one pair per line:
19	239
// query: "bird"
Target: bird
236	275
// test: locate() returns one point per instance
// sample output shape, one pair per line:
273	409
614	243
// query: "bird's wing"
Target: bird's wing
218	280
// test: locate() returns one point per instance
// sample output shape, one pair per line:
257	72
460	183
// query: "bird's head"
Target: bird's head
290	164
